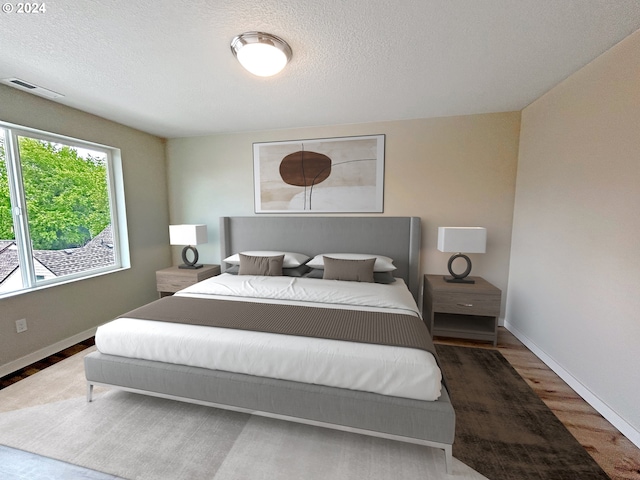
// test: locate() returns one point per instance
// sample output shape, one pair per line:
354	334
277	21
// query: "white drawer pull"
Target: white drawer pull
465	304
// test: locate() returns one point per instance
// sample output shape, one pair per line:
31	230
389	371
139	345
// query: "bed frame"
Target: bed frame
420	422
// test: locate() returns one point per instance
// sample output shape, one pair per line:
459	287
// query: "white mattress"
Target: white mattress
387	370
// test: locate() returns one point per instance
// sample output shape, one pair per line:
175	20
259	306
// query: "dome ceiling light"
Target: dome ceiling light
261	53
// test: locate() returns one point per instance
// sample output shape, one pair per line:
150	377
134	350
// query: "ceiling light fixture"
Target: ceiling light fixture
261	53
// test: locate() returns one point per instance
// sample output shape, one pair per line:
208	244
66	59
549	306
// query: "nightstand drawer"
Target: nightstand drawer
174	279
172	284
467	303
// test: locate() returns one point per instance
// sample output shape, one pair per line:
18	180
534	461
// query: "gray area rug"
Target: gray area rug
503	429
138	437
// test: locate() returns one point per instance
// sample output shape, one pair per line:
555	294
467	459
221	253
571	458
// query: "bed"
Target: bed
412	408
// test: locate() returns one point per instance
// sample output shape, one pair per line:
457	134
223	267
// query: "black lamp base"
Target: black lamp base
190	264
459	277
459	280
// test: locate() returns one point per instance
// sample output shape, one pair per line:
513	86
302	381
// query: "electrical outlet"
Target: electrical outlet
21	325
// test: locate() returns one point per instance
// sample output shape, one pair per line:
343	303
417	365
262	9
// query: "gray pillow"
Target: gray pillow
295	271
287	272
349	270
265	266
314	273
384	278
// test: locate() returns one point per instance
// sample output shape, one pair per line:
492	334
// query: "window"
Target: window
59	216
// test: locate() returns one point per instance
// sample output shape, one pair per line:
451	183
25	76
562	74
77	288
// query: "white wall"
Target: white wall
574	283
454	171
63	314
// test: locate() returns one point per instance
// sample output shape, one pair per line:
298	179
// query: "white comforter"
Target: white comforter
395	371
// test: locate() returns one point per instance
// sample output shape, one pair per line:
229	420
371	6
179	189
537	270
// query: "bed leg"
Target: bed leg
89	392
448	459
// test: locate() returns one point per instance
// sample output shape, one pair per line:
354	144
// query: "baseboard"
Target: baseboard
45	352
588	396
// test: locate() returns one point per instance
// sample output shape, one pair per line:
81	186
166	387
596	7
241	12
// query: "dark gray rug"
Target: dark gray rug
503	429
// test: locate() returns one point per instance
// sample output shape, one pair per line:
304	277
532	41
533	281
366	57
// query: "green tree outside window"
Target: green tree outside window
66	195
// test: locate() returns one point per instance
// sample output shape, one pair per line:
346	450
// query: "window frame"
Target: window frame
19	215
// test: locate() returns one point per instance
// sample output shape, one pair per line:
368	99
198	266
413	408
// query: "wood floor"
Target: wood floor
617	456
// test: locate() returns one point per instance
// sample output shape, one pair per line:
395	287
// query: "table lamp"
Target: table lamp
459	240
188	235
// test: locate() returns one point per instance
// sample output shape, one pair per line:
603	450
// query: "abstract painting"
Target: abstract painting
328	175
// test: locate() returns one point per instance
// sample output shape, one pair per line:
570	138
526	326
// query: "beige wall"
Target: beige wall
574	283
63	312
455	171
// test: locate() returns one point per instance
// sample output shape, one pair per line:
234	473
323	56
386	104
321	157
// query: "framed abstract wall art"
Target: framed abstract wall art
327	175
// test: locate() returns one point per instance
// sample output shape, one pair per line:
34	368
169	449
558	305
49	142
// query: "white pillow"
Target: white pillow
383	264
291	260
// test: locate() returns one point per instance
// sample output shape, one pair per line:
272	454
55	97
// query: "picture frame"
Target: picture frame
325	175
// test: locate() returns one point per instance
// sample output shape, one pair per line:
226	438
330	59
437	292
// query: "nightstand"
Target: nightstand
170	280
461	310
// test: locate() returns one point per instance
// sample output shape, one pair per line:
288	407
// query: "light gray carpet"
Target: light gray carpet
139	437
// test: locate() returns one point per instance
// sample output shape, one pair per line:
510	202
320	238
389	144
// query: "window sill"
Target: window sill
57	283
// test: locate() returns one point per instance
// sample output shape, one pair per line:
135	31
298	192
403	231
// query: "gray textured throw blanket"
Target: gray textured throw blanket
335	324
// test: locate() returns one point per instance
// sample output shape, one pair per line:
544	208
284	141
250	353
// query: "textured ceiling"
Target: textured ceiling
165	67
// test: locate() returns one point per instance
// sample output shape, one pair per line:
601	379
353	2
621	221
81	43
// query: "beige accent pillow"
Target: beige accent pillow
265	266
349	270
383	264
291	259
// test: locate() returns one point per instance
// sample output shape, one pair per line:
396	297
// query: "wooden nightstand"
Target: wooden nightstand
461	310
170	280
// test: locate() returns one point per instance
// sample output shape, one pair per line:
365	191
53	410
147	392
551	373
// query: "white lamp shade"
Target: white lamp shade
462	239
187	234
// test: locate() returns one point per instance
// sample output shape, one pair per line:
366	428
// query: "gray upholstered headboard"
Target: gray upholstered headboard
395	237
